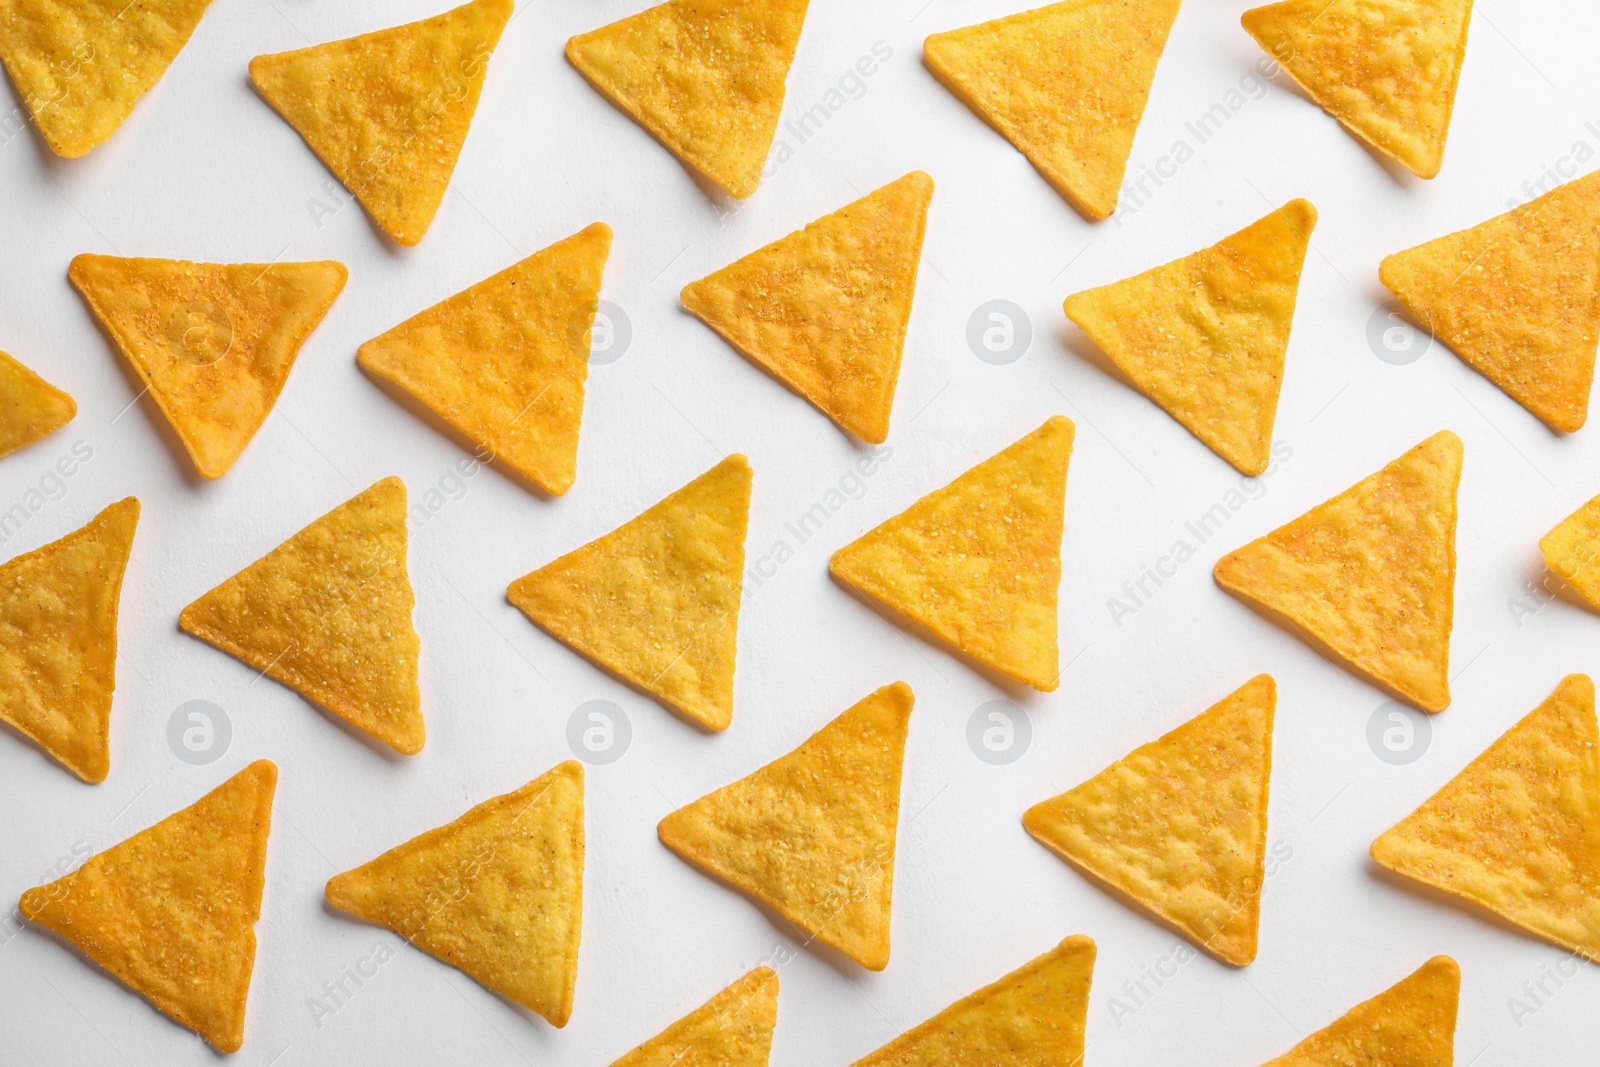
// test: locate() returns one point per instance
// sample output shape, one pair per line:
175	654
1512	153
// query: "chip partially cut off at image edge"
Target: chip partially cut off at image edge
1410	1024
30	407
732	1029
1572	551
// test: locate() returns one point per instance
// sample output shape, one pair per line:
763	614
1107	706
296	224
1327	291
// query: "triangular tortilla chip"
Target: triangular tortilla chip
1033	1017
504	361
705	77
1572	550
824	310
1180	824
1517	298
212	342
30	407
1205	336
80	66
498	893
171	911
1369	575
979	562
657	599
1066	84
388	111
732	1029
328	613
1518	830
58	639
812	833
1386	69
1410	1024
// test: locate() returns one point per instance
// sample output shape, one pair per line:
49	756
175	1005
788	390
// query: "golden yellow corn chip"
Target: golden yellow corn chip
732	1029
505	361
1518	830
1572	550
80	66
388	111
328	613
30	407
171	911
1386	69
812	833
657	599
1517	298
1410	1024
1033	1017
978	562
1370	575
1180	824
705	77
824	310
498	893
212	342
1066	84
1204	336
58	639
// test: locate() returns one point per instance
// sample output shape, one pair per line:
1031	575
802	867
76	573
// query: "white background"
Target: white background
204	170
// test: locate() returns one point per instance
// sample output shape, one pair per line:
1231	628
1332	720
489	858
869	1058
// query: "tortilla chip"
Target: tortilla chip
1572	550
498	893
170	912
812	833
80	66
732	1029
1066	84
1369	575
705	77
58	639
1386	69
328	613
1204	336
979	562
1517	298
1410	1024
1032	1017
1180	824
824	310
504	361
212	342
1518	830
657	599
388	111
30	407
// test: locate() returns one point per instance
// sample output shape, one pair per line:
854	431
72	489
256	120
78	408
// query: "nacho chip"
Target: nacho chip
1386	69
1518	830
1066	84
1370	575
657	599
58	639
328	613
1410	1024
705	77
388	111
30	407
1517	298
498	893
80	66
1180	824
1032	1017
812	833
732	1029
824	310
1204	336
979	562
170	912
1572	550
504	361
212	342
